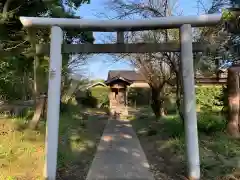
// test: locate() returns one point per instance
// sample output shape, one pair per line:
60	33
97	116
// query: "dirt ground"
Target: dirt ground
164	162
165	150
168	163
22	151
81	146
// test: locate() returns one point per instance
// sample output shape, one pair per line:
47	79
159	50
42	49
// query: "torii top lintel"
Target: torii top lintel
123	25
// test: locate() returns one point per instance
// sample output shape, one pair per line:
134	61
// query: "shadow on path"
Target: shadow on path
79	137
119	155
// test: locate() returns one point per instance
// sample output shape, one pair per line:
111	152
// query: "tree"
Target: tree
227	38
18	43
160	69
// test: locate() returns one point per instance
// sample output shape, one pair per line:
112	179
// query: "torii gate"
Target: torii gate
186	47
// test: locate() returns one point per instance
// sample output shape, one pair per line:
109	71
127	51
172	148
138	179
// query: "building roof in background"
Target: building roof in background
117	79
125	74
96	84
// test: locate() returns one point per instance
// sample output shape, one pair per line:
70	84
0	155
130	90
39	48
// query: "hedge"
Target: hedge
138	96
206	96
101	95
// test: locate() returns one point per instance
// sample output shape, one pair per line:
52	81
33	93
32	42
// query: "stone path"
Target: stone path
119	155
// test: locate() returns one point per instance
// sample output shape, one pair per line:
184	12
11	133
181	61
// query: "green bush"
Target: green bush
101	95
206	96
138	96
223	100
172	126
28	112
211	123
208	123
88	100
94	97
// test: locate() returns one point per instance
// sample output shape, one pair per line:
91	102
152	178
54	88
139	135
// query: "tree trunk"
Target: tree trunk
35	78
233	103
70	91
179	109
233	121
157	104
6	7
26	86
38	112
179	98
39	103
44	114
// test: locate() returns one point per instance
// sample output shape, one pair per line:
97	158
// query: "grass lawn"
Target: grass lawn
163	143
22	150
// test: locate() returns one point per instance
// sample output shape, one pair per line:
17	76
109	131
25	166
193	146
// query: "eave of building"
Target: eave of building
110	81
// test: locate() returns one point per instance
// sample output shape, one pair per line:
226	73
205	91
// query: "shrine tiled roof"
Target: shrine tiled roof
126	74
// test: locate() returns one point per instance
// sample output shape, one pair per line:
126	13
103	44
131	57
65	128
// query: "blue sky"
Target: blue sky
99	65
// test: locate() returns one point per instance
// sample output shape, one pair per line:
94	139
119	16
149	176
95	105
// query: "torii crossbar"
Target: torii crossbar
184	23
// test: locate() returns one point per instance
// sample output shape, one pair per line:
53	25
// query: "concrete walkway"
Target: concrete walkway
119	155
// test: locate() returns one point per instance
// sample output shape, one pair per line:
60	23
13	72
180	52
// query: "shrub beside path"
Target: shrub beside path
119	155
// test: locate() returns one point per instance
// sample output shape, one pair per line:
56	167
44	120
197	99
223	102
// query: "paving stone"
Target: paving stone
119	155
